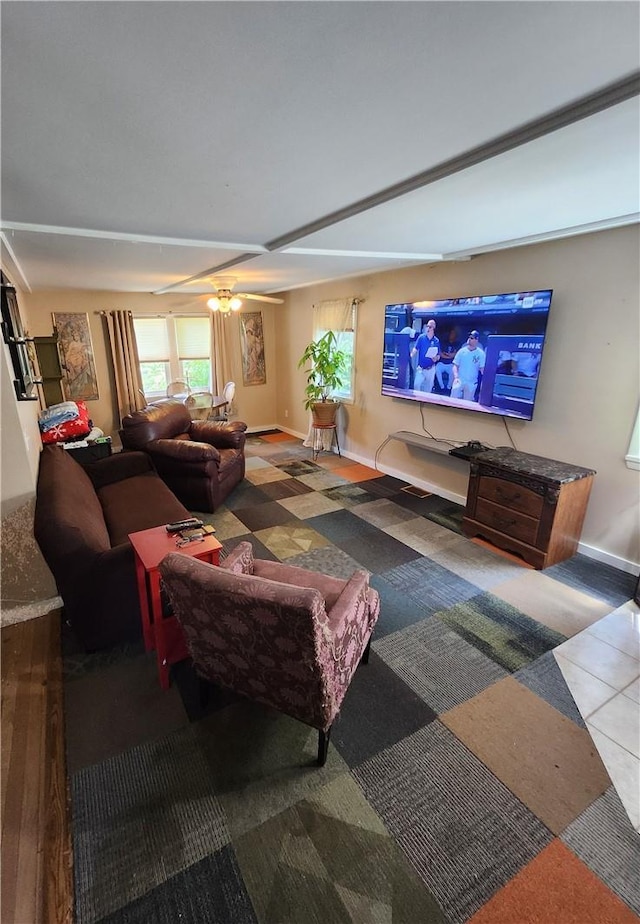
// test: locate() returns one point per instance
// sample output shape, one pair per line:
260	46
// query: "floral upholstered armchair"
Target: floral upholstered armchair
283	636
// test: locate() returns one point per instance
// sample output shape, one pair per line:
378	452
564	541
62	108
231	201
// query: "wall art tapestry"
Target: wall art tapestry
79	380
254	370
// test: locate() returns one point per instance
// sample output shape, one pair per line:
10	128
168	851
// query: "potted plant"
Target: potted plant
326	365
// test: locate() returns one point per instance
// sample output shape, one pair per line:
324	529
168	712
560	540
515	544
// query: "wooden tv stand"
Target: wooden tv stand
529	505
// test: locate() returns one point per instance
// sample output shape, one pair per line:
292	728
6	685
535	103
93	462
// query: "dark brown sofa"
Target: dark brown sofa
200	460
82	519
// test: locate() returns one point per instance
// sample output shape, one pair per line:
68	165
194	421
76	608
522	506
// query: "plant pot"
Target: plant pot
324	413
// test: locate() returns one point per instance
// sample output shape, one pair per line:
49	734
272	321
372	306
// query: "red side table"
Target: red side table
163	633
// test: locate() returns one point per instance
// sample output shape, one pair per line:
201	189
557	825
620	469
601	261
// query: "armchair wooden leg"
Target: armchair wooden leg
365	653
323	746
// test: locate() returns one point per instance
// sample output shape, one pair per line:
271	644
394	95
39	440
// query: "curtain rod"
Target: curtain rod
354	301
175	314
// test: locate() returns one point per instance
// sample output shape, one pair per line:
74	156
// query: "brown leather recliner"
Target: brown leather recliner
200	460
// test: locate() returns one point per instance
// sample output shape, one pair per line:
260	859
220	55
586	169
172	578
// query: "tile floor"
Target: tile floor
601	666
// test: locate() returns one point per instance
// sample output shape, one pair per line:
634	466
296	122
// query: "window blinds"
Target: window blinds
152	340
192	335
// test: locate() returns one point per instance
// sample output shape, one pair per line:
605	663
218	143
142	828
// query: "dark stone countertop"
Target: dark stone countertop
535	466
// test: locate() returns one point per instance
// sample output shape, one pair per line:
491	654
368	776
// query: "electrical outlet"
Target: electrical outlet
286	413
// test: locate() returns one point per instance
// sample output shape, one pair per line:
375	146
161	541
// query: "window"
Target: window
174	348
340	317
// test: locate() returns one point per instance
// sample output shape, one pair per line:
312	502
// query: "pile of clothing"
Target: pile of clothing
65	422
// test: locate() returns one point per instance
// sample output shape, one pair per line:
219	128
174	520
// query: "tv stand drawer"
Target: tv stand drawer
508	521
509	494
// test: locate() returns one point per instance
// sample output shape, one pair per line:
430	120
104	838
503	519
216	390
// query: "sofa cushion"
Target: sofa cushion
158	421
65	489
329	587
138	503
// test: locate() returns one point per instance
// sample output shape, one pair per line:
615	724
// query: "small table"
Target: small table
318	438
163	633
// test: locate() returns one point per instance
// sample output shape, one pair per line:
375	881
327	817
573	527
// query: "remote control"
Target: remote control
189	523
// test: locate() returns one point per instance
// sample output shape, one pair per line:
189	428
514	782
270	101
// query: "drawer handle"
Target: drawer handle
506	495
504	524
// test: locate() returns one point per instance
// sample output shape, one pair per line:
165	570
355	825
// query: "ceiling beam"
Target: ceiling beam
611	95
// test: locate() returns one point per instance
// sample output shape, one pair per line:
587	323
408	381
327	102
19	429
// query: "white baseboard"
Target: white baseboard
622	564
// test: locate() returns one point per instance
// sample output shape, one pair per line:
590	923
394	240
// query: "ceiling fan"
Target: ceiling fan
226	300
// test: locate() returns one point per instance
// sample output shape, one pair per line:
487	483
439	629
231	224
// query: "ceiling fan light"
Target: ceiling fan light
235	304
213	303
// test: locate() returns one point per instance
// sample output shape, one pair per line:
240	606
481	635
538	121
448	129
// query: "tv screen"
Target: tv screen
479	353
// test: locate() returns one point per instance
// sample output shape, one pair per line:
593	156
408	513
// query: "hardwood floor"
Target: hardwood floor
36	876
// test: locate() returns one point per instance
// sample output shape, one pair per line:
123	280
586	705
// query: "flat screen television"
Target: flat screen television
480	352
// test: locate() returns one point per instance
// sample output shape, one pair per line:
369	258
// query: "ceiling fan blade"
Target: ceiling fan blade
260	298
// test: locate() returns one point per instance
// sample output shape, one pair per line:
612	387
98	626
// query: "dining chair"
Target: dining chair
177	388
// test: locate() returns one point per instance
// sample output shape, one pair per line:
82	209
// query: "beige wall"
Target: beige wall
255	404
589	386
587	398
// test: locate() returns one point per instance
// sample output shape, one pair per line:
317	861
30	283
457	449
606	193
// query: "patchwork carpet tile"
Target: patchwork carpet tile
266	474
370	546
209	892
383	512
330	859
385	486
260	762
289	540
377	551
328	560
500	631
225	522
397	610
544	758
339	525
438	664
297	467
108	711
377	691
356	472
309	505
457	757
278	437
462	830
332	461
604	839
447	514
421	534
254	462
245	495
320	481
573	895
140	818
419	503
264	515
348	495
259	550
431	585
551	602
544	678
476	564
595	578
291	487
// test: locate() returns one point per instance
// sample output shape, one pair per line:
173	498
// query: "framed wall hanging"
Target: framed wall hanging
254	370
79	380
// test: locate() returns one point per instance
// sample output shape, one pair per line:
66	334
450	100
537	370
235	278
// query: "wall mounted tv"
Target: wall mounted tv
480	352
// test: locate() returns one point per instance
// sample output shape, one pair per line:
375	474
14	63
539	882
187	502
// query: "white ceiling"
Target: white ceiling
146	143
